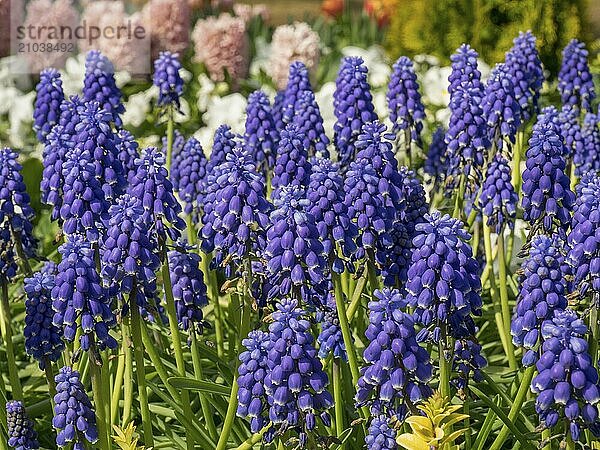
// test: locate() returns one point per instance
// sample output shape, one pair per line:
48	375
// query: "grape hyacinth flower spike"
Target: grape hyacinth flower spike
547	197
434	164
223	143
397	369
525	67
43	339
309	121
498	199
567	382
188	174
298	82
575	82
381	436
99	85
295	383
404	102
295	256
127	152
79	300
261	135
236	212
167	79
49	97
587	159
330	340
353	107
542	291
21	434
74	417
292	167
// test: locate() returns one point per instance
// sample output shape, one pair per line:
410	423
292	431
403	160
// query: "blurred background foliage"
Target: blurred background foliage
438	27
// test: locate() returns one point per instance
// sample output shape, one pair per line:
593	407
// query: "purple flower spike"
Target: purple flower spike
223	144
525	67
49	96
500	106
151	184
547	197
309	121
382	436
236	212
567	382
587	151
43	340
127	152
295	384
166	77
74	417
21	434
296	264
261	135
292	167
99	85
568	122
298	82
434	164
188	174
468	362
542	292
79	300
498	199
353	107
444	285
404	100
397	369
575	82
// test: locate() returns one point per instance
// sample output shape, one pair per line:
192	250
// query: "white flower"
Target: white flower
137	108
324	99
8	96
261	60
20	118
230	110
207	87
380	104
435	86
73	74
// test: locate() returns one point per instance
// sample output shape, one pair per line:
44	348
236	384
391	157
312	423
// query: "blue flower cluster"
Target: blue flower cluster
252	372
295	256
223	144
99	86
151	184
129	253
79	300
434	164
295	383
74	417
292	167
16	213
568	122
330	339
325	195
298	82
127	151
309	121
444	282
189	290
353	107
49	97
498	199
583	255
567	383
468	362
381	435
21	434
397	368
167	79
261	135
404	100
43	339
547	197
500	106
188	174
236	212
575	82
524	64
588	158
542	292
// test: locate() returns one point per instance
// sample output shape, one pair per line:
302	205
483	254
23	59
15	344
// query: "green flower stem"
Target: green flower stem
204	402
50	380
570	443
249	443
127	361
140	370
466	409
337	398
506	313
169	154
515	409
25	266
6	328
175	337
494	289
546	435
99	401
356	296
117	388
373	280
445	369
346	333
213	293
516	170
3	428
595	333
458	202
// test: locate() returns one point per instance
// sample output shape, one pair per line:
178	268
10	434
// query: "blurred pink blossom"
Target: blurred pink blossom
47	16
169	25
296	42
126	53
8	7
221	44
248	12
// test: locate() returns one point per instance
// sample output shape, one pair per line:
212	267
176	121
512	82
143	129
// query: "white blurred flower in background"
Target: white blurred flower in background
376	61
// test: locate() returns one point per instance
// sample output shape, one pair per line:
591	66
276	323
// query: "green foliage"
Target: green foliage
438	27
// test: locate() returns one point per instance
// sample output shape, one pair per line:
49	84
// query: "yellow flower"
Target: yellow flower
125	439
433	430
